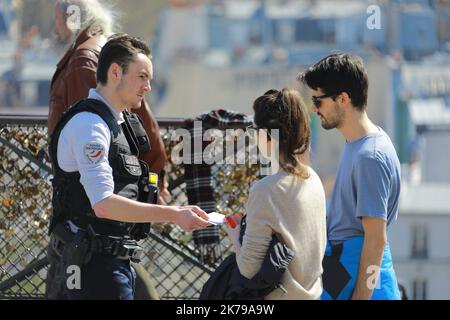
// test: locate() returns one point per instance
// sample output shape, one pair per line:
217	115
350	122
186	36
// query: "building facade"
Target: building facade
420	241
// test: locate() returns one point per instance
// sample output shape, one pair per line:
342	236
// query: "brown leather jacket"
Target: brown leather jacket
75	75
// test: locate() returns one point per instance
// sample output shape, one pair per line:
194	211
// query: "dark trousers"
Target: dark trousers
105	278
56	281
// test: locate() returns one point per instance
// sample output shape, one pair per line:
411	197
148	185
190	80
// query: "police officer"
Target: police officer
98	179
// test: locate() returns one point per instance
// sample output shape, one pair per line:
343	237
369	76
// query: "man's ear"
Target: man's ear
344	99
115	72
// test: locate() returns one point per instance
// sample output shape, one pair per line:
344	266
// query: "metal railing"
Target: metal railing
172	258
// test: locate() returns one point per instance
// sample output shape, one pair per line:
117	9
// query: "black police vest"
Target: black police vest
70	201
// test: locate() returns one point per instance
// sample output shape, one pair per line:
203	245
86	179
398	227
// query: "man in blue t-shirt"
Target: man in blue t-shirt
364	202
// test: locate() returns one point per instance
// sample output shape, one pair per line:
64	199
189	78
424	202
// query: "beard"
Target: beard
334	120
62	42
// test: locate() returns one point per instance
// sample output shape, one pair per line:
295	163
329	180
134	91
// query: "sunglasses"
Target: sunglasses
317	101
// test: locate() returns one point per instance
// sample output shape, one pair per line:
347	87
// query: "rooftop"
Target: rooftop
425	199
429	112
241	9
338	9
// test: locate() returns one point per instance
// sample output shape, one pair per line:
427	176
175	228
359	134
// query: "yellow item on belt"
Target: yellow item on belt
152	178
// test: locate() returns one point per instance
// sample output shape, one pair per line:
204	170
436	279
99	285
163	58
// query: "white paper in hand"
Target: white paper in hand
216	218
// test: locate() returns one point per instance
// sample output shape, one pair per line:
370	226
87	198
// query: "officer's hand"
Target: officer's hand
191	218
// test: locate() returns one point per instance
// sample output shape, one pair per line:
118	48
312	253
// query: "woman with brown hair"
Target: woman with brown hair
289	203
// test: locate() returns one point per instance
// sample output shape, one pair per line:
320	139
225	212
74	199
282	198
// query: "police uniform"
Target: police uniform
94	152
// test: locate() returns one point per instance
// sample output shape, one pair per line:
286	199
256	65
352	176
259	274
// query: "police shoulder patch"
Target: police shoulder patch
94	151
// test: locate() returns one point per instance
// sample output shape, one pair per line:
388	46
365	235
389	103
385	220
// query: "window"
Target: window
255	36
420	289
419	241
3	25
284	32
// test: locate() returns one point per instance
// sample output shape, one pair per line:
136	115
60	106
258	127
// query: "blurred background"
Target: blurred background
225	53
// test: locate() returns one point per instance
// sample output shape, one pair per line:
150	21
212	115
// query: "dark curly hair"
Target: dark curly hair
338	73
285	110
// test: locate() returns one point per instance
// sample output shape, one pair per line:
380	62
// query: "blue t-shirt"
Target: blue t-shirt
367	185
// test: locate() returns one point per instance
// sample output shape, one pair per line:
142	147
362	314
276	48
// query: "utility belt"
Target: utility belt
79	247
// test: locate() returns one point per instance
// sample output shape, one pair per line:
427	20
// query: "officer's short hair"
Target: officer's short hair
120	49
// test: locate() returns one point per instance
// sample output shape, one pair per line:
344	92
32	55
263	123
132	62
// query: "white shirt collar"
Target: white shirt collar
94	94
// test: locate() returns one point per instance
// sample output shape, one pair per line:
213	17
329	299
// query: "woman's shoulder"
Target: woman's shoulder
268	182
282	179
313	174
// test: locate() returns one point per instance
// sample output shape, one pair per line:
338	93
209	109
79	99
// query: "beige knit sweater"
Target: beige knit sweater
294	209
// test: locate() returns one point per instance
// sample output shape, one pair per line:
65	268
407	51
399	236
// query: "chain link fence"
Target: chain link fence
174	261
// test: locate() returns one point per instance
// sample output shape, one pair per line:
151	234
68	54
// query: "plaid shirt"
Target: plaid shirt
199	182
